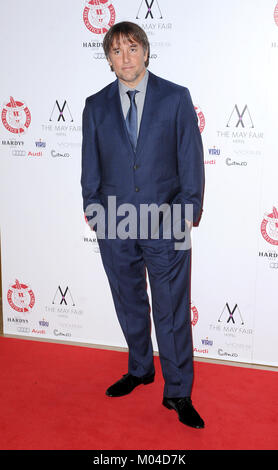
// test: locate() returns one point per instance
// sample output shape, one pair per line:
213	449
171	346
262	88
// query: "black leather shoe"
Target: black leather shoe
127	383
187	413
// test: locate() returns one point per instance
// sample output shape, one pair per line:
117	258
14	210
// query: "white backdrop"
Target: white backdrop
226	53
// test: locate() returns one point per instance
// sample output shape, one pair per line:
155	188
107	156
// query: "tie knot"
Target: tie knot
131	94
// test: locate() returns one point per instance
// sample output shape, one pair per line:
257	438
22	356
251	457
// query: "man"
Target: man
141	143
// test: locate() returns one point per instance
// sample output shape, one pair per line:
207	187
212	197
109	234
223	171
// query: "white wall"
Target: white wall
226	53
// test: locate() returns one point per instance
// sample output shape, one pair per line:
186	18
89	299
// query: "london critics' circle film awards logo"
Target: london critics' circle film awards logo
201	118
99	16
194	314
15	116
276	14
269	227
21	297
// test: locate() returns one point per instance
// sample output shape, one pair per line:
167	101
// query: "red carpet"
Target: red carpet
53	397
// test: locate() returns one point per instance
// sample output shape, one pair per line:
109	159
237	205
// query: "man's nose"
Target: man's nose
125	56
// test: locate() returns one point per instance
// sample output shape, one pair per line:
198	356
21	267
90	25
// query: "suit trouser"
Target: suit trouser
125	263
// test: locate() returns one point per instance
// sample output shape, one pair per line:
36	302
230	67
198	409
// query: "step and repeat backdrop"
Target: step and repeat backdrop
226	53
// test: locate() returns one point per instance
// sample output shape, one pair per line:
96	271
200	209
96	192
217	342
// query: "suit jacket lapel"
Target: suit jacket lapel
117	116
149	111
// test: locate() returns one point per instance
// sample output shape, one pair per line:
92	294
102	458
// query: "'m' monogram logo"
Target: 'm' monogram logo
61	110
231	313
63	296
149	12
236	118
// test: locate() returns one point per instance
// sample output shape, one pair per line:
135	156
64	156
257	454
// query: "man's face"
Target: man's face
128	60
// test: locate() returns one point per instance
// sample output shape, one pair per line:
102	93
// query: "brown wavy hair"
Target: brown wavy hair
129	30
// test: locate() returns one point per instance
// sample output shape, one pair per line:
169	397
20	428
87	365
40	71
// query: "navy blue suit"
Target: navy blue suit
167	167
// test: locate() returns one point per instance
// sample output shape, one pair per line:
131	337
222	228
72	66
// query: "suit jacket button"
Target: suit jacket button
135	167
137	189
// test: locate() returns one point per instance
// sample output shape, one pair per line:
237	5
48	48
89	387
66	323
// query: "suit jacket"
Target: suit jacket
168	164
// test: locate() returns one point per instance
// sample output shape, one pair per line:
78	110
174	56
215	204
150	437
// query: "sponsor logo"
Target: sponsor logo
61	115
12	143
34	154
240	126
61	112
39	143
201	118
231	323
221	352
207	342
62	297
149	10
238	118
17	320
270	256
243	346
269	227
63	304
247	153
71	326
55	154
57	332
153	22
214	151
99	16
230	162
18	153
44	323
23	153
23	329
69	144
16	116
201	351
38	332
21	297
229	314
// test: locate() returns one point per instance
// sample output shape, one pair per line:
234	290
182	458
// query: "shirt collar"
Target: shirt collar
141	86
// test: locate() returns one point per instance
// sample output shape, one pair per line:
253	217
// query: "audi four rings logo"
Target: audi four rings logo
18	153
22	329
99	55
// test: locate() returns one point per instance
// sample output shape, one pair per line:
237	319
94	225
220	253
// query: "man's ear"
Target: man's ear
109	62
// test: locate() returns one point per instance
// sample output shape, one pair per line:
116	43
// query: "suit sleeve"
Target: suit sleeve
190	157
90	174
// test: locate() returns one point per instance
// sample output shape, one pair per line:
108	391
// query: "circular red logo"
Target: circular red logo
99	16
201	118
194	314
276	14
269	227
20	297
16	117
